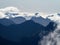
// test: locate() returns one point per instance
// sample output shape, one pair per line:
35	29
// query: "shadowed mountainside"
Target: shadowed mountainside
27	33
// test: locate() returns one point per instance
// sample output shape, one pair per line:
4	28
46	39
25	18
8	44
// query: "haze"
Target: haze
49	6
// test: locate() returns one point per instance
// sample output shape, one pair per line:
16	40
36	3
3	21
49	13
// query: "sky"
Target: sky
48	6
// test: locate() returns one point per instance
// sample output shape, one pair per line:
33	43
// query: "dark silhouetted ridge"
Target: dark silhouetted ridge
27	33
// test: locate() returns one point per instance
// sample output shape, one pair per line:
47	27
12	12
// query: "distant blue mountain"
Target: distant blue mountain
26	33
7	22
41	20
18	20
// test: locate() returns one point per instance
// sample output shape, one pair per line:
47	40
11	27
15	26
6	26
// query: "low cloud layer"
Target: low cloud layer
53	38
12	12
6	12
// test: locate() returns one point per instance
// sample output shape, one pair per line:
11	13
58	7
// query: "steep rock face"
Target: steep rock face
27	33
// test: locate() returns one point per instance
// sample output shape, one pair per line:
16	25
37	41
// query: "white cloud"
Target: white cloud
9	11
53	37
2	15
12	12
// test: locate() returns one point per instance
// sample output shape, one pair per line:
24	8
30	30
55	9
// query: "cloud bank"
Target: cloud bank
53	38
12	12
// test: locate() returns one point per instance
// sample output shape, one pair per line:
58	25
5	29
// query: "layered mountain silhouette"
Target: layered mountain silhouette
41	20
7	22
26	33
19	20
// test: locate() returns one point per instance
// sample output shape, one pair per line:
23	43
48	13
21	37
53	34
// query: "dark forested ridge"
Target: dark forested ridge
27	33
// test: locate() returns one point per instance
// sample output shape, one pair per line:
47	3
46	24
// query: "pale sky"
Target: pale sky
33	5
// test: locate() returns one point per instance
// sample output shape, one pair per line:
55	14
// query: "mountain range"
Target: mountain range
23	28
27	33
